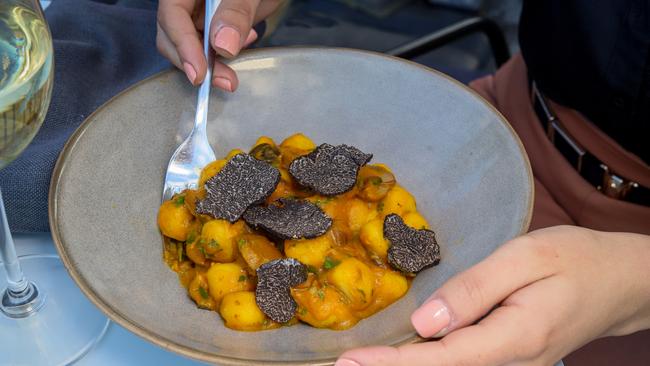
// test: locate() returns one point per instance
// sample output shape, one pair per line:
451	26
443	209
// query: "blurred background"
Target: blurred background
386	25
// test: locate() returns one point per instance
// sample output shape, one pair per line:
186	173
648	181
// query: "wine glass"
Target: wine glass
44	318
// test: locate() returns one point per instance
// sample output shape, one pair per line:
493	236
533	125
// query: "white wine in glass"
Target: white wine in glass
44	318
25	78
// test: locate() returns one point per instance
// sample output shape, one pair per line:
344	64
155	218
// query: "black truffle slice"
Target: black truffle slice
274	280
244	181
410	250
329	170
289	219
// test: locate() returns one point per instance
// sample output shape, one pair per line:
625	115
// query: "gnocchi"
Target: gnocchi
349	277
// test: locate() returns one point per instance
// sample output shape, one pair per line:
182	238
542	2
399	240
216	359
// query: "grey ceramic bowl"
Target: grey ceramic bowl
457	155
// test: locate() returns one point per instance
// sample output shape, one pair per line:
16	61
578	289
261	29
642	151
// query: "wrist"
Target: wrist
635	302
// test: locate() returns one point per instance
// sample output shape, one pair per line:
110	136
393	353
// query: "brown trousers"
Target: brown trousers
563	197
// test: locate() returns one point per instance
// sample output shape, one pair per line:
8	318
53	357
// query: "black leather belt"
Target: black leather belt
587	165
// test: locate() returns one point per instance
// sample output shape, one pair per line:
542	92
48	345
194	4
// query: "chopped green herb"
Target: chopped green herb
241	243
312	269
213	244
242	278
303	311
380	206
202	250
330	263
321	294
324	201
179	201
375	181
179	247
191	237
203	293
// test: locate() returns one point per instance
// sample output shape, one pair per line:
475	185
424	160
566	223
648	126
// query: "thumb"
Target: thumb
231	25
470	295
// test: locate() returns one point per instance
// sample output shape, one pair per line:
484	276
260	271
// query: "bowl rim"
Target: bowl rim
168	344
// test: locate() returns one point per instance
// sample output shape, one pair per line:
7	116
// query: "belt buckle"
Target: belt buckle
615	186
604	179
571	150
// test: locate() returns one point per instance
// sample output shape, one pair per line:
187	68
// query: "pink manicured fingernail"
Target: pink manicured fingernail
252	37
432	319
223	83
228	40
189	71
346	362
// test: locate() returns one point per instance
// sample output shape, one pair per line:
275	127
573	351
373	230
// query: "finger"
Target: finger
175	20
489	343
470	295
252	37
230	25
167	48
198	16
266	8
223	77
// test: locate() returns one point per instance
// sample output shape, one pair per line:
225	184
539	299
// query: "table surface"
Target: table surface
119	346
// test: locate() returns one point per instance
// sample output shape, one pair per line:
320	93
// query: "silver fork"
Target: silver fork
195	152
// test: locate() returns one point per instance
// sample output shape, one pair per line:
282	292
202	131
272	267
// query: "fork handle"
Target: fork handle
203	98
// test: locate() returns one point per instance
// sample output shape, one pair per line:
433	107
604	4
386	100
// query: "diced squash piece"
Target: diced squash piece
240	311
217	240
323	307
191	196
224	278
174	219
234	152
372	238
199	292
256	250
415	220
392	286
358	214
195	253
211	170
354	279
398	201
311	252
298	141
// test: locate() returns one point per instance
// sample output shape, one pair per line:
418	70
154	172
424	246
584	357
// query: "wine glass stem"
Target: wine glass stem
17	283
21	298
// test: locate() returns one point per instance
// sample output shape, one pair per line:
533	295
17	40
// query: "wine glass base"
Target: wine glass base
30	302
64	329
